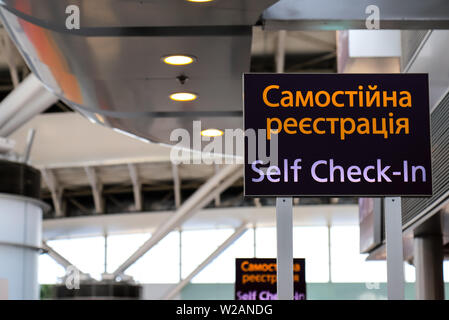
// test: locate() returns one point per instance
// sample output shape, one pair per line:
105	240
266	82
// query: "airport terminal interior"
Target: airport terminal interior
111	186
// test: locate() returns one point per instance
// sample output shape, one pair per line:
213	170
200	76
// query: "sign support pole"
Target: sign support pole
284	234
395	254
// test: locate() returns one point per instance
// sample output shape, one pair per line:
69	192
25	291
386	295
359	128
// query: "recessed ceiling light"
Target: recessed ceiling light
178	59
211	133
183	96
200	0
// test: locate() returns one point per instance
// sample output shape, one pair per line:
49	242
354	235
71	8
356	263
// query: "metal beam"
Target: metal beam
217	199
57	257
97	188
38	104
77	204
27	89
202	197
137	190
129	222
176	185
226	244
29	97
29	145
351	14
55	189
280	51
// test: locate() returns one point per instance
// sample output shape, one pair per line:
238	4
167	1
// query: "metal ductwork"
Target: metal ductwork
28	99
111	69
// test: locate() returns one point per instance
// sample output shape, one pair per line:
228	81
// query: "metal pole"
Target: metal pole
37	104
180	254
329	251
395	254
280	51
284	234
29	145
105	253
254	241
228	242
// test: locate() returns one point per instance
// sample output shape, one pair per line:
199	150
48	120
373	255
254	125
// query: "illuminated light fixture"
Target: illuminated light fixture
183	96
99	117
211	133
178	59
200	0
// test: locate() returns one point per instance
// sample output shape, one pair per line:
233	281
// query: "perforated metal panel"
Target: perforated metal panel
413	208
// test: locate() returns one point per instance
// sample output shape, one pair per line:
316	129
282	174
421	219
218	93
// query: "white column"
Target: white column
20	240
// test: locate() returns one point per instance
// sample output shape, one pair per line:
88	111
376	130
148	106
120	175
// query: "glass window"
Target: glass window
347	264
311	243
197	245
87	254
222	269
266	243
49	270
160	264
120	247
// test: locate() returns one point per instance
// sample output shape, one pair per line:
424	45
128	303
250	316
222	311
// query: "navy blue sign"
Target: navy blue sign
337	135
256	279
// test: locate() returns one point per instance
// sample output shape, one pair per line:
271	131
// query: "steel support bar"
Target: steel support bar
57	257
280	51
29	145
217	198
228	242
330	15
97	189
284	235
176	185
40	103
55	190
26	92
137	190
206	193
395	254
